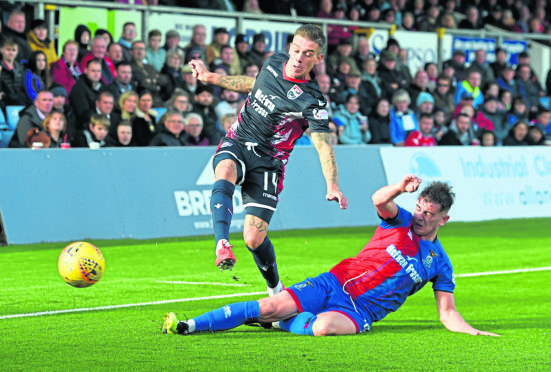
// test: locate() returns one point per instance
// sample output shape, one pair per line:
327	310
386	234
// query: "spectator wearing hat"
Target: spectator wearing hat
204	106
494	17
342	52
61	105
424	104
457	62
507	81
242	50
38	40
365	91
470	85
491	111
15	29
156	56
390	79
443	95
172	41
401	67
258	50
220	37
146	75
198	41
481	65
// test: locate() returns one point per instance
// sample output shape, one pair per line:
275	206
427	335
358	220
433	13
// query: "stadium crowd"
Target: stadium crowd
118	90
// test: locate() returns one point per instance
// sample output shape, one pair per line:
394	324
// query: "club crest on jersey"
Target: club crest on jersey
294	92
428	261
321	114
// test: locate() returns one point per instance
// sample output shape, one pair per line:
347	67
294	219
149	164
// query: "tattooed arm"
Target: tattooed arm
242	84
322	141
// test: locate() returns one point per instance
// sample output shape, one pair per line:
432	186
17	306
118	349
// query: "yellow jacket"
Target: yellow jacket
45	46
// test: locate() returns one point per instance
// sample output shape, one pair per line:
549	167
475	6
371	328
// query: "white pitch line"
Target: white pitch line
201	283
110	307
547	268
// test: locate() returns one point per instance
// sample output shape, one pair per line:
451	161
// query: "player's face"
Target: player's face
304	54
427	218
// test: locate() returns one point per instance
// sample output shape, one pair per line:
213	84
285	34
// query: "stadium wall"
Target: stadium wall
63	195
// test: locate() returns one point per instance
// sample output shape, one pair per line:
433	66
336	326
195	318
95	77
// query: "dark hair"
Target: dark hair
439	193
225	46
154	33
31	63
487	131
122	63
93	60
101	32
425	115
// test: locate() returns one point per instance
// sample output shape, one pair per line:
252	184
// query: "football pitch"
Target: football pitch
502	286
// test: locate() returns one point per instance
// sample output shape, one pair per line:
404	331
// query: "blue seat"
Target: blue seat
5	137
3	122
160	112
13	115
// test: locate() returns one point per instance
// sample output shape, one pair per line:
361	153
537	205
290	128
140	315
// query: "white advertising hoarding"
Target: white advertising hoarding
490	183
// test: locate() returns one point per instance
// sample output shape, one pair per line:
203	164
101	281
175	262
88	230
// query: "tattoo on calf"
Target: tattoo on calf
259	224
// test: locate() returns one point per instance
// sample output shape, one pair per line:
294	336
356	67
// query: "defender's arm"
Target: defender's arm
243	84
383	199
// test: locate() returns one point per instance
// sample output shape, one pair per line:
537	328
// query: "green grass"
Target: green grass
517	306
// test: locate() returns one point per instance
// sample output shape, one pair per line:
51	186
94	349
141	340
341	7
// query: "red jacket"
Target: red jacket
61	74
417	139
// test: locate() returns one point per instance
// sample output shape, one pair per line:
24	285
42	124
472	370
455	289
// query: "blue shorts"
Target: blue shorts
324	293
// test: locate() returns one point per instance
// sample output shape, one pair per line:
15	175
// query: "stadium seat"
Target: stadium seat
160	112
13	115
5	137
3	123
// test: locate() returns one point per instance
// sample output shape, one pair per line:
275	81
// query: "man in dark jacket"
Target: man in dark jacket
85	92
172	131
32	117
15	28
11	76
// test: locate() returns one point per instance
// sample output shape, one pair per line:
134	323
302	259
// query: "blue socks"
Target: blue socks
300	324
264	256
221	207
228	317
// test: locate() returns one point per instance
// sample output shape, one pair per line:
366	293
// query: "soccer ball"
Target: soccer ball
81	264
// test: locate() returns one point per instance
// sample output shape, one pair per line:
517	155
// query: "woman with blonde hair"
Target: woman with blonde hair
55	125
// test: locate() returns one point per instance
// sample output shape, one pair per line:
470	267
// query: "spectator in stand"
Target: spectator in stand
127	38
371	78
353	126
147	77
85	91
156	56
198	41
204	95
390	79
487	138
125	109
508	20
471	86
517	134
480	64
408	22
190	82
362	53
472	21
94	135
242	50
335	33
38	40
82	37
37	75
229	104
195	136
402	119
105	105
505	99
98	49
447	20
523	58
180	101
379	122
543	118
432	74
523	19
507	80
459	133
536	135
258	50
478	120
172	69
365	92
65	70
15	30
123	138
32	117
60	104
342	52
422	136
54	126
440	126
430	22
251	70
491	111
324	82
172	41
490	89
106	35
401	61
172	131
114	53
251	6
12	92
144	120
518	112
457	62
527	89
228	60
424	104
495	16
214	51
418	86
123	82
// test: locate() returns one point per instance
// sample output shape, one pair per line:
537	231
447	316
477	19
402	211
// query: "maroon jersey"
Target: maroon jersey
279	109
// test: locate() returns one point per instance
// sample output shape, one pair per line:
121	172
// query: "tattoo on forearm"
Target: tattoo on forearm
237	83
322	141
259	224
